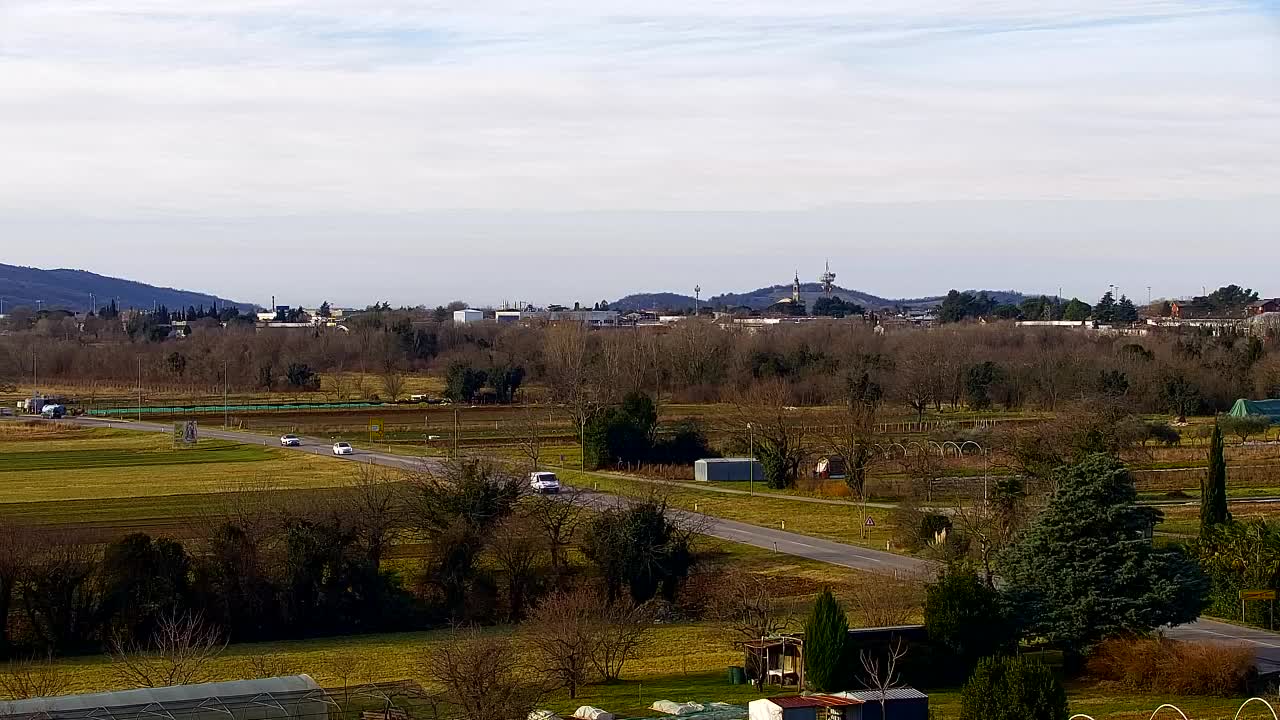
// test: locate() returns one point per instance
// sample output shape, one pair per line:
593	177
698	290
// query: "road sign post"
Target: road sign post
375	429
1263	595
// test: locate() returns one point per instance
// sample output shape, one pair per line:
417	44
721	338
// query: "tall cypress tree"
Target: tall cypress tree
1213	490
825	644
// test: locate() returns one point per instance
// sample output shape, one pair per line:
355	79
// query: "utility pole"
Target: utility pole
697	296
751	462
455	433
33	371
224	394
139	388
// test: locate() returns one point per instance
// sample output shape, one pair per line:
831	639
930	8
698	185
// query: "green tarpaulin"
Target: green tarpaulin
1265	408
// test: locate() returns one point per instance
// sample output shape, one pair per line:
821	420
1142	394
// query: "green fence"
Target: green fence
190	409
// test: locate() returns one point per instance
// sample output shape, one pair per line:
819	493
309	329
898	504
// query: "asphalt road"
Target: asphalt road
1266	644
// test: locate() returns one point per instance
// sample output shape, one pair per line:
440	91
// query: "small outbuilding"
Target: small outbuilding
727	470
904	703
830	467
803	707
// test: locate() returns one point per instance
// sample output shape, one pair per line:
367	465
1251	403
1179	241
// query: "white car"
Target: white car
343	448
290	441
544	482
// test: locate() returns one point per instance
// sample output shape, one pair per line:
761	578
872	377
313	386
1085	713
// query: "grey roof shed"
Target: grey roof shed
727	470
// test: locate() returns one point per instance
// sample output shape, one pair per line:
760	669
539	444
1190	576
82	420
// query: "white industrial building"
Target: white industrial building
468	315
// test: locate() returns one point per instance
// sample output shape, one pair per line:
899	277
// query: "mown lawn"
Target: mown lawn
68	464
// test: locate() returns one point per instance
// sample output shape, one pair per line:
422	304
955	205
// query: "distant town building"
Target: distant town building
468	315
1268	305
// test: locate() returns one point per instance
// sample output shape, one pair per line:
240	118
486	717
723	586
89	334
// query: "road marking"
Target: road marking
1186	628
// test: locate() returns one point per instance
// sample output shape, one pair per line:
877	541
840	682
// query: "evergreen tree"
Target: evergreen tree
1076	310
825	644
1012	688
1084	570
1126	311
1213	490
967	620
1105	310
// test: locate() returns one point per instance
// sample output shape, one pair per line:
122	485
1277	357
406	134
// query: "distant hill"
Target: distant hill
69	290
809	292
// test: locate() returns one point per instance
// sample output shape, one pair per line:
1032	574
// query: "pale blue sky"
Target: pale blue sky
566	149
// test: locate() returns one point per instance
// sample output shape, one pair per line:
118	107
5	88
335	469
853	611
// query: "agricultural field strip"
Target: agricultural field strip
849	556
85	459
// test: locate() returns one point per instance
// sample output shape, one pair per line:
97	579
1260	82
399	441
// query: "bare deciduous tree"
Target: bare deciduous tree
558	519
268	665
393	385
744	604
483	677
622	633
882	674
881	605
529	437
179	653
780	441
518	553
571	375
373	502
33	678
562	631
335	384
346	670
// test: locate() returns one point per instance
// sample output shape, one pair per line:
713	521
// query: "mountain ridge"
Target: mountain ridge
762	298
69	289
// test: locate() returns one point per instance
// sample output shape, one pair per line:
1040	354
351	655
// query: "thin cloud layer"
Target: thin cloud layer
159	110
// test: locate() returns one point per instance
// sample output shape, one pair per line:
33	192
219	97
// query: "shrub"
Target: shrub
1158	665
1012	688
932	524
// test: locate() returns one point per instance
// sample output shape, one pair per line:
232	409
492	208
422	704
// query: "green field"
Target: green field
63	463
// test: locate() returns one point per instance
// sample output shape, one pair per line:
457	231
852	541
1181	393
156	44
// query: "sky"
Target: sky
562	150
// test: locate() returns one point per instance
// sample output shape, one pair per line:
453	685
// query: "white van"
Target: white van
544	482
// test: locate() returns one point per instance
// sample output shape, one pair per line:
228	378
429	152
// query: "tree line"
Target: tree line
278	569
960	366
